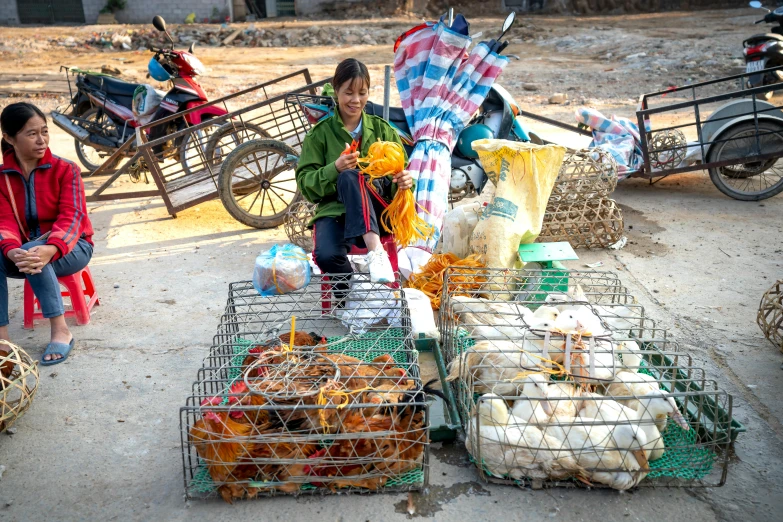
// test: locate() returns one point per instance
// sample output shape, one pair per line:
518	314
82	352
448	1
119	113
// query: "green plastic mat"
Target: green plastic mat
683	459
365	347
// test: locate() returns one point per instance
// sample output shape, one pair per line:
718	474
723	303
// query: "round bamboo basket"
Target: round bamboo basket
667	149
295	225
18	383
584	224
586	174
770	316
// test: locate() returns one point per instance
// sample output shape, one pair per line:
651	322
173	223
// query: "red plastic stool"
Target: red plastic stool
79	288
391	250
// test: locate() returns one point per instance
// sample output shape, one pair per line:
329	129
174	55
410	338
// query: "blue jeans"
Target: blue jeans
44	285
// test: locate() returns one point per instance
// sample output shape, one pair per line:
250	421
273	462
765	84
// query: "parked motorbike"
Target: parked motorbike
497	118
101	117
763	51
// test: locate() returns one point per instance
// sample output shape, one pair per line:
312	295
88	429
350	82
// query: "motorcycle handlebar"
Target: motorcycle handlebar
760	22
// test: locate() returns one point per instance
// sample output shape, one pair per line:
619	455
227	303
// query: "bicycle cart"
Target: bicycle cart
719	126
255	115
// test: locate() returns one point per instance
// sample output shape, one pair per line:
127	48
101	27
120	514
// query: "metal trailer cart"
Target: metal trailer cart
192	175
719	126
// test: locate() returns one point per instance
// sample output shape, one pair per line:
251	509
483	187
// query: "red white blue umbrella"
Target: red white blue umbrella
441	86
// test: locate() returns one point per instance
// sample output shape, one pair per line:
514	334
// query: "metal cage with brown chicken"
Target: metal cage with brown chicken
336	407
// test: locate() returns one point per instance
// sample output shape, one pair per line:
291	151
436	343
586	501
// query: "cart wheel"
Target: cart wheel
89	157
194	147
230	136
749	180
257	183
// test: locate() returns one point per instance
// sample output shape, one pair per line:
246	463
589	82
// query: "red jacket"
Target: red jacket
54	196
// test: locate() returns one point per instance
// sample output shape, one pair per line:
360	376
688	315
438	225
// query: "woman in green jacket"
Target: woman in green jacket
348	206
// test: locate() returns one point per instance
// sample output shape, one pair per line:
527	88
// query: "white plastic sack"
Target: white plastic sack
422	318
411	259
146	101
370	304
458	225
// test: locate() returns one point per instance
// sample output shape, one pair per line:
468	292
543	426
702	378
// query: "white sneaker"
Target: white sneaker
380	268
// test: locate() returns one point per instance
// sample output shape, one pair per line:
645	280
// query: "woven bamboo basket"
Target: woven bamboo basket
770	316
18	383
586	174
295	225
584	224
667	149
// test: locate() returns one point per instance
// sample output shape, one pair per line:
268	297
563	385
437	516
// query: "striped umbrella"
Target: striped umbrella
441	87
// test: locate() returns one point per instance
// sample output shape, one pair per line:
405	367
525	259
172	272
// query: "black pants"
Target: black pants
333	237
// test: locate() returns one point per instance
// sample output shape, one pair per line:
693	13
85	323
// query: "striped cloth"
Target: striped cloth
441	86
618	136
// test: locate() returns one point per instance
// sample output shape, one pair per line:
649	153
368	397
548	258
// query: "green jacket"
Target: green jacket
316	175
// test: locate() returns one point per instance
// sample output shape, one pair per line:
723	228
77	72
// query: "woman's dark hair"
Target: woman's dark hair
14	118
347	71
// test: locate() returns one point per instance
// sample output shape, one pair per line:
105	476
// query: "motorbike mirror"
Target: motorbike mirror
192	48
507	23
159	23
755	5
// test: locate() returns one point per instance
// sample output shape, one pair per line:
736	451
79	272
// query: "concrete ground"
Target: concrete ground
102	438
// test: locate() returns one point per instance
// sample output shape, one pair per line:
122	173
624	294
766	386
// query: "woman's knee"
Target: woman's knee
329	257
350	176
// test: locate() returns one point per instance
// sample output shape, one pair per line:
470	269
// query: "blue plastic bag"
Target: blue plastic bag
280	270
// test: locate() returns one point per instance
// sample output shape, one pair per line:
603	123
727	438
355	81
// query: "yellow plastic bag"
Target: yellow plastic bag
524	175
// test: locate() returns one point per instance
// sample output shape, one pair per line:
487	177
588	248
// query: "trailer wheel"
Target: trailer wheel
748	180
257	183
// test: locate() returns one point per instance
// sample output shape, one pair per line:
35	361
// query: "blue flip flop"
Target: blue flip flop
59	349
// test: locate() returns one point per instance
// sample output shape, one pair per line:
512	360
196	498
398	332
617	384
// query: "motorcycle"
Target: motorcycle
497	118
101	115
763	51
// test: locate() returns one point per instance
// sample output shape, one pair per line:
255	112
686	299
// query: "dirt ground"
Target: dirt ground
102	439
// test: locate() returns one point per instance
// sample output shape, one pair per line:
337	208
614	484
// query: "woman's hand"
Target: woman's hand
32	261
347	162
403	180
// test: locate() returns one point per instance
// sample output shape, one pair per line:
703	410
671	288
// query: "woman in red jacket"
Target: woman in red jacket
44	229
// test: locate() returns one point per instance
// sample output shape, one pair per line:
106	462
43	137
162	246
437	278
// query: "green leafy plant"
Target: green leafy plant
112	6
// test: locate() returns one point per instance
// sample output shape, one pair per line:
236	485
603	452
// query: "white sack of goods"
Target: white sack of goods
146	101
524	175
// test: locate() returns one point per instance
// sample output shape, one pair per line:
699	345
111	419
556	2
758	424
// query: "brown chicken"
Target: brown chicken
303	339
221	442
6	365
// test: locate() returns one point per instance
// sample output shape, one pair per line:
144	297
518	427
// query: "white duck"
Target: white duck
596	406
629	387
612	456
492	366
632	353
564	399
653	407
534	409
516	449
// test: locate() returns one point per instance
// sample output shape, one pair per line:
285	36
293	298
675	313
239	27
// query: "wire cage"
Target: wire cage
584	224
770	316
656	425
553	348
18	383
586	174
340	409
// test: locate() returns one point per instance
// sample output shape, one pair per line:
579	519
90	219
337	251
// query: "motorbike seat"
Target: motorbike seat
758	38
112	86
396	114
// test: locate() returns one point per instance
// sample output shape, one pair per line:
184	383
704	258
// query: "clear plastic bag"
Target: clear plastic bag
280	270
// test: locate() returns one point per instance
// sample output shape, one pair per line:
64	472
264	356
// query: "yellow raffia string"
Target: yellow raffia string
321	400
387	158
290	347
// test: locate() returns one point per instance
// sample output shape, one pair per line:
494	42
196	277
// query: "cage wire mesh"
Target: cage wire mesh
770	316
594	223
563	380
296	224
586	174
339	409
